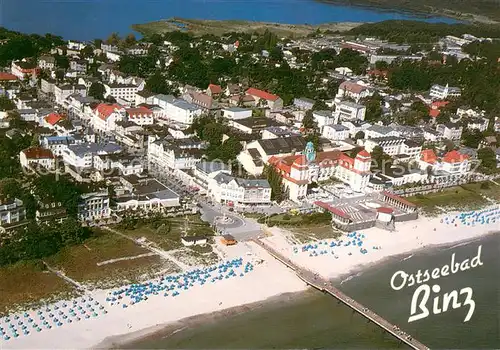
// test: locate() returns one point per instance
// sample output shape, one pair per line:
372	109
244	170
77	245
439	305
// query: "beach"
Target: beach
247	275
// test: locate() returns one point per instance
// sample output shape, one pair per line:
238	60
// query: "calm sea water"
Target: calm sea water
317	321
90	19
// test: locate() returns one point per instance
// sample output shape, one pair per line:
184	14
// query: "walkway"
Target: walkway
326	286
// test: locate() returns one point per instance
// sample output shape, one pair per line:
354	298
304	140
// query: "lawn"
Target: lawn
26	284
81	262
454	198
307	234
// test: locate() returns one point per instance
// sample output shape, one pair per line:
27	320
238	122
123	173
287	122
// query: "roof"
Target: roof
262	94
363	153
210	167
352	87
105	109
385	210
428	156
455	157
434	113
282	145
38	153
398	198
139	111
332	209
53	118
215	89
7	76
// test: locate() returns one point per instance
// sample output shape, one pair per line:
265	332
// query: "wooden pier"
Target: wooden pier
326	286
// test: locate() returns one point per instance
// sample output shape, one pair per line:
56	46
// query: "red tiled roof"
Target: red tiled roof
434	113
7	76
331	209
104	110
139	111
428	156
53	118
439	104
262	94
364	153
38	153
352	87
378	72
455	157
215	89
385	210
398	198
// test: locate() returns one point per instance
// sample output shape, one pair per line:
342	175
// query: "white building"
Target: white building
441	92
35	157
12	211
106	115
394	146
450	131
62	92
480	124
353	90
347	110
224	188
182	112
335	132
323	118
140	115
236	113
57	144
94	206
83	156
165	155
122	91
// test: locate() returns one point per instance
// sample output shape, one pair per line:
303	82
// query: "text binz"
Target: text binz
419	309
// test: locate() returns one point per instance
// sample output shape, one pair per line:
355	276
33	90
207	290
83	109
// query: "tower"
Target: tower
361	176
309	152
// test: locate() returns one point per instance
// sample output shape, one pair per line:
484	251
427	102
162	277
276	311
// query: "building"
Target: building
140	115
121	91
47	62
82	156
163	154
236	113
182	112
62	92
353	90
23	69
480	124
376	131
450	131
224	188
452	167
273	102
12	212
146	195
94	206
188	241
35	157
48	86
144	97
57	144
394	146
347	110
214	90
106	115
441	92
300	170
303	103
205	171
323	118
335	132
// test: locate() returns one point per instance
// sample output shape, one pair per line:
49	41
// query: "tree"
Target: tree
130	40
97	91
359	135
6	104
308	123
113	39
381	65
319	105
472	138
158	84
62	61
488	159
275	181
373	108
60	75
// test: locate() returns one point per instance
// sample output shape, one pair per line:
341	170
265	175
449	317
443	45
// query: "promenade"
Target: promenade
326	286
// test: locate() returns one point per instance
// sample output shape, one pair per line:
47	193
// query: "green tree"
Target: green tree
308	122
373	108
488	159
275	181
472	138
113	39
97	90
6	104
158	84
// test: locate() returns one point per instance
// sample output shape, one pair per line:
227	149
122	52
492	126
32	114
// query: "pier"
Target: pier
326	286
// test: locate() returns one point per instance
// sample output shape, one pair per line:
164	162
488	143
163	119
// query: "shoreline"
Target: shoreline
202	303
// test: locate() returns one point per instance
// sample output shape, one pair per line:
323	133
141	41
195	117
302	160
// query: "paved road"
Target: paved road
321	284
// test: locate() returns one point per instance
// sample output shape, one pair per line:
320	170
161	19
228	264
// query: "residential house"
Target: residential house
335	132
105	116
303	103
47	86
140	115
57	144
126	92
214	91
440	92
144	97
376	131
79	66
480	124
62	92
323	118
353	90
234	113
450	131
35	157
47	62
12	212
182	112
169	155
394	146
347	110
274	102
82	156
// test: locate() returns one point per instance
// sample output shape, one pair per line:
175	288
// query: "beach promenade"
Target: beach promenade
326	286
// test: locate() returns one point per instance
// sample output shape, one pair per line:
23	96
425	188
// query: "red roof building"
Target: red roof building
434	113
455	157
214	89
428	156
262	94
7	77
38	153
54	118
104	110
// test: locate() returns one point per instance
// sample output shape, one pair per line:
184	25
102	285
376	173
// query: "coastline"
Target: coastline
270	282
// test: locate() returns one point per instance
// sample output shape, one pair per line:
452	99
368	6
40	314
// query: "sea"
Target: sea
313	320
91	19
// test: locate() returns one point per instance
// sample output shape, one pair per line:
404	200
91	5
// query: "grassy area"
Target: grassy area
487	189
454	198
304	235
26	284
83	262
201	27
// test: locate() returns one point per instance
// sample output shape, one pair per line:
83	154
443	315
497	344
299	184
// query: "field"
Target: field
27	284
466	197
201	27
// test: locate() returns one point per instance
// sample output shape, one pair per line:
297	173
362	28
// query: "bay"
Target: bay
90	19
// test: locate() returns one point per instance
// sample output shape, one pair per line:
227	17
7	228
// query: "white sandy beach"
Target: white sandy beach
268	279
409	236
